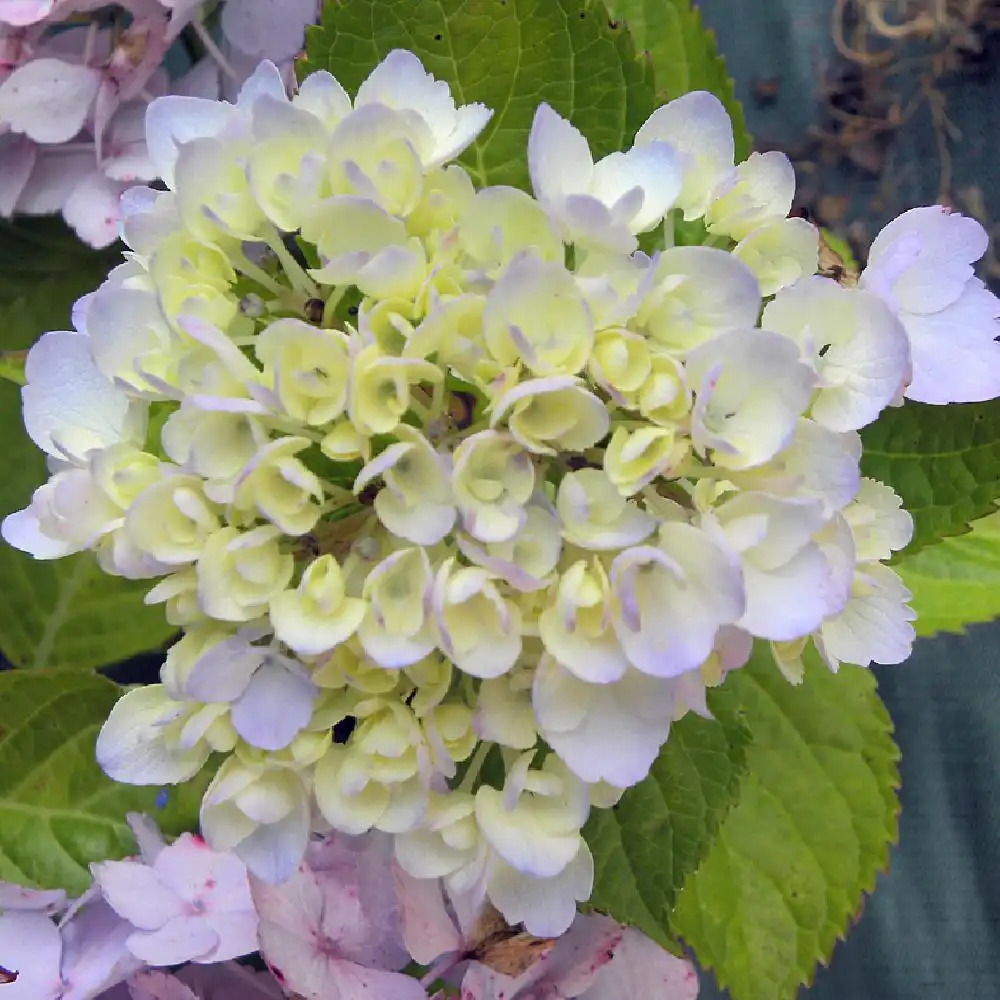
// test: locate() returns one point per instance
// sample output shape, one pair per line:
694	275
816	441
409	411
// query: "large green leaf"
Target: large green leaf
816	815
944	461
63	613
507	54
684	55
45	266
58	811
646	846
956	582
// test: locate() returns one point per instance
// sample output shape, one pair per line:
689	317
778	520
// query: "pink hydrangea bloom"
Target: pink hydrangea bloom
190	904
73	102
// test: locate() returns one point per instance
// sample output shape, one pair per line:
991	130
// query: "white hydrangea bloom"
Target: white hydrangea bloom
601	204
459	499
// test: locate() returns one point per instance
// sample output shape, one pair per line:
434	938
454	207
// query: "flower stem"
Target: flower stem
475	766
213	50
252	270
296	275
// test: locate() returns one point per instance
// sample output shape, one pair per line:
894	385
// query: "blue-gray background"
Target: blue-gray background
932	928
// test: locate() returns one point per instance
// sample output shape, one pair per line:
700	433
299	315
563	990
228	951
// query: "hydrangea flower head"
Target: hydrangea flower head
428	474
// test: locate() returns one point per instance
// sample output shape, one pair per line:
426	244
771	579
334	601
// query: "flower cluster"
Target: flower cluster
171	904
459	496
75	84
344	925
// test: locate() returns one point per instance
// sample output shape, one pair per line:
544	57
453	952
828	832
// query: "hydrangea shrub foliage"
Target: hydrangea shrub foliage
521	496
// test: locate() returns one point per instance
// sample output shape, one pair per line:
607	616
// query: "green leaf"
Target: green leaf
815	819
12	366
956	582
944	461
58	811
684	55
65	613
71	614
44	269
508	54
646	846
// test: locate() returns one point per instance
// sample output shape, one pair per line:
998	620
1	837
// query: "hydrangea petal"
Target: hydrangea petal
48	99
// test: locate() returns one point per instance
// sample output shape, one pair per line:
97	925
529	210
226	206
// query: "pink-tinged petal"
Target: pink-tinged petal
21	13
17	159
428	931
559	158
268	28
48	99
31	946
565	971
95	956
182	939
56	173
93	210
215	884
374	940
174	120
230	981
237	931
333	979
133	890
126	158
287	911
312	925
153	984
641	970
18	897
193	871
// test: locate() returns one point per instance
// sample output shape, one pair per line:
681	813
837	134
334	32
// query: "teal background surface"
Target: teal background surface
932	929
